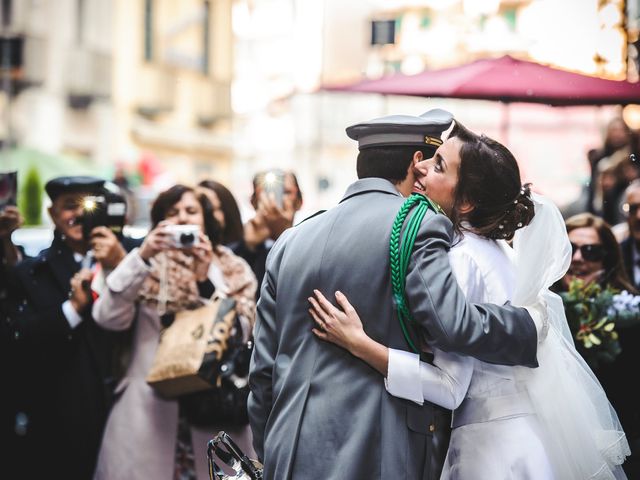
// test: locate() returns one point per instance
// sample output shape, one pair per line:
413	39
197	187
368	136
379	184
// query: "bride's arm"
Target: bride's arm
444	383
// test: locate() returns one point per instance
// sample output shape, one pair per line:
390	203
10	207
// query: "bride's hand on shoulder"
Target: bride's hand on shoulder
341	326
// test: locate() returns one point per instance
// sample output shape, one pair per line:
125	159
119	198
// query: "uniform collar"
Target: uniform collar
366	185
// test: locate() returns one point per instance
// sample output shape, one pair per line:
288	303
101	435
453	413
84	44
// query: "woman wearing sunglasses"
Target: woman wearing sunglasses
596	255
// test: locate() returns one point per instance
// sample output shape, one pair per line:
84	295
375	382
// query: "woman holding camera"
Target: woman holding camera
179	264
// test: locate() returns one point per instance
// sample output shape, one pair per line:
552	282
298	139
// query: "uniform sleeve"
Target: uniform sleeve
444	383
495	334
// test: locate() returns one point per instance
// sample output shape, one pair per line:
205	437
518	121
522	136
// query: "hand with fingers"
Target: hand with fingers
10	220
203	254
156	241
107	249
275	218
80	293
341	326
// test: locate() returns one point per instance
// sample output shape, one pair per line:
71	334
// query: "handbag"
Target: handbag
191	352
224	405
223	447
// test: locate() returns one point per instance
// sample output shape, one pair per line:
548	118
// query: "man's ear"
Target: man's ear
417	157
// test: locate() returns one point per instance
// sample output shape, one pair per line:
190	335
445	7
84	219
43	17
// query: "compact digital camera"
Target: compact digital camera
107	209
183	236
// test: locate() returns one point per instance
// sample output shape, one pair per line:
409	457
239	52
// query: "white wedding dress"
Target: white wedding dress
553	422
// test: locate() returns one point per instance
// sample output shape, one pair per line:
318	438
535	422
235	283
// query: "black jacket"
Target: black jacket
616	377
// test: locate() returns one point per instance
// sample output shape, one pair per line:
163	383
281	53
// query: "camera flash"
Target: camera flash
89	204
270	178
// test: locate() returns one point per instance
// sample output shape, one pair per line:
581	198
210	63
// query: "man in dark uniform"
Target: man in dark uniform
60	358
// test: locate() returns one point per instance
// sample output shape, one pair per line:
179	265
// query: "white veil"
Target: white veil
581	430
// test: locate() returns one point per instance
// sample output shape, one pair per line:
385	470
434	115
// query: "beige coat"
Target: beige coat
139	441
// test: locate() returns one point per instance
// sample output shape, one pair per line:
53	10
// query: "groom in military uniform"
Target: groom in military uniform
316	411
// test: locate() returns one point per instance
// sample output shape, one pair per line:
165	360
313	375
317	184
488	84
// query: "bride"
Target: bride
553	422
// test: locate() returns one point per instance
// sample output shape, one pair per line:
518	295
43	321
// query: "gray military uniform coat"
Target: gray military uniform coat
316	411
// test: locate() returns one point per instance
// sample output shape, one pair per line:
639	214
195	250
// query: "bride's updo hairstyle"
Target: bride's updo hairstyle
489	180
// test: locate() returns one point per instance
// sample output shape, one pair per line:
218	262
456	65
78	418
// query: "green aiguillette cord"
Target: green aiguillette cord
400	248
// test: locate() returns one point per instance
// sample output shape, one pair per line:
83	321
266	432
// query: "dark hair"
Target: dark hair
388	162
233	230
614	272
167	199
489	179
257	178
609	147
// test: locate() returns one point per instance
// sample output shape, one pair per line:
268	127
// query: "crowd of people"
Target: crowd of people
81	321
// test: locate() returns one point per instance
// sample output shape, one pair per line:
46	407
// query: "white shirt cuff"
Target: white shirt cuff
70	314
403	376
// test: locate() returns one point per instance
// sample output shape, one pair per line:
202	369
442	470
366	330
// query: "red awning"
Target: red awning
505	79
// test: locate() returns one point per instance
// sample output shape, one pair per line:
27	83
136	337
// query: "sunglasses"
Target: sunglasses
591	252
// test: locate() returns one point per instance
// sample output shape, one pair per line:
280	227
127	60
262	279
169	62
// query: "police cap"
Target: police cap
423	131
74	184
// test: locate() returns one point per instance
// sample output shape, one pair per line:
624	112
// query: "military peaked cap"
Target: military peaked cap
75	184
424	131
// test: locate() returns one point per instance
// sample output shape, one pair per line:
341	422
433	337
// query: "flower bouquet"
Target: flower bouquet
595	314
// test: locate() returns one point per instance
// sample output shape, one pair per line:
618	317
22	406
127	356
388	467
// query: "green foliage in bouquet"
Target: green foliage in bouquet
595	315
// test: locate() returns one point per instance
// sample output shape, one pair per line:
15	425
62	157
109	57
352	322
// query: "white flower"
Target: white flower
624	302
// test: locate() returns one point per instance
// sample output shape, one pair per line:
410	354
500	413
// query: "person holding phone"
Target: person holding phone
276	198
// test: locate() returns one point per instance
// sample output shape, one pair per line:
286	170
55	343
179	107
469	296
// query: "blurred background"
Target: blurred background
151	92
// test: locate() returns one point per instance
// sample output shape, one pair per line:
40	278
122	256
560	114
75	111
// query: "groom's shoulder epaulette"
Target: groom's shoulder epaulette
310	217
